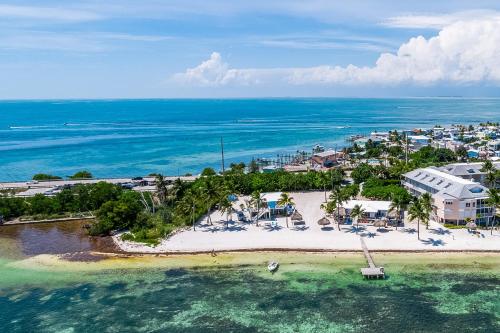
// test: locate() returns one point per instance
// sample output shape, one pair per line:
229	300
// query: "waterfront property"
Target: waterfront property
273	208
373	210
454	199
326	158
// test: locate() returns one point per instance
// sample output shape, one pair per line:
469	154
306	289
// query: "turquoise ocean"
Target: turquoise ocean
113	138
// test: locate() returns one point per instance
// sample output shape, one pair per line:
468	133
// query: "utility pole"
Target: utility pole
406	148
222	153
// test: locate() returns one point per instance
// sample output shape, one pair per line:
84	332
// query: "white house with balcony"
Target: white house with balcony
454	199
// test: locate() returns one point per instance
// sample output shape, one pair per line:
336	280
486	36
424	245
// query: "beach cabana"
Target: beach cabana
379	224
323	221
297	218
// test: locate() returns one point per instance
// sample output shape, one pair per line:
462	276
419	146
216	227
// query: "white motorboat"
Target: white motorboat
272	266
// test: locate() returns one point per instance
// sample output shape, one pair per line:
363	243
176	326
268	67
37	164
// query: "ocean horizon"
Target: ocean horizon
135	137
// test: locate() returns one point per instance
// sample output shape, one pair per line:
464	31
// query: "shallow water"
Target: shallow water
233	292
328	295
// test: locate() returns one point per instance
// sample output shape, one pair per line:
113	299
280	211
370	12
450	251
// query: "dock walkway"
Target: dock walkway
372	271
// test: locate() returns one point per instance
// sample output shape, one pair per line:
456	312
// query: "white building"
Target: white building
454	199
372	209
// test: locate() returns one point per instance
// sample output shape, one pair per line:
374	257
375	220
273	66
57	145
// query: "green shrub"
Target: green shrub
82	175
44	176
454	226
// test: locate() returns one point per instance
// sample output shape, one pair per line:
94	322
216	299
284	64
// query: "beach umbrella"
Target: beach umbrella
379	224
471	225
296	216
324	221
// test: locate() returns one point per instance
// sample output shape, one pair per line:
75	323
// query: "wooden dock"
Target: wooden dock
371	272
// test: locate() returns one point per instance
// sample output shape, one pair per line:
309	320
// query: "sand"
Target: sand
312	237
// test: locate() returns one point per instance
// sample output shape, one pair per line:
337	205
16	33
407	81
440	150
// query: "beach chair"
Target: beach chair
274	224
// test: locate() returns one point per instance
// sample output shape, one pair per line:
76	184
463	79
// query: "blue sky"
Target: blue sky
153	48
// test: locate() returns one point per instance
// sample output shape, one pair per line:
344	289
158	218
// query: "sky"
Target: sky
227	48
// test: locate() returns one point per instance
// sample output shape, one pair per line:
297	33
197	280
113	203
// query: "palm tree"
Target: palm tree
285	200
161	188
357	212
417	212
426	200
493	201
398	205
258	202
324	178
328	208
338	198
210	192
336	177
491	179
487	166
226	206
188	206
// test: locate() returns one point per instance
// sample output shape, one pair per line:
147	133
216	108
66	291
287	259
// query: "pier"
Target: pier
371	272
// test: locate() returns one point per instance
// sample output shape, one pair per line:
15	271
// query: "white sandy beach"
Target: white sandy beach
246	236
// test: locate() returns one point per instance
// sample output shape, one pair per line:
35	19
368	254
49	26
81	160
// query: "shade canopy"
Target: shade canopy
379	223
324	221
296	216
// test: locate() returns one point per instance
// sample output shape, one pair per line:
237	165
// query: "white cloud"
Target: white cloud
439	21
215	72
462	53
71	42
46	13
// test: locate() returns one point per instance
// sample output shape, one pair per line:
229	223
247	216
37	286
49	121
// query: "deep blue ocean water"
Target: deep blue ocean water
137	137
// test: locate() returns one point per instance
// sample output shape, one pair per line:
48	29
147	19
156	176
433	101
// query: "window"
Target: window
467	204
476	190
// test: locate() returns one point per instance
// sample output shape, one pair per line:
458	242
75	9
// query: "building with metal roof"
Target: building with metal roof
455	199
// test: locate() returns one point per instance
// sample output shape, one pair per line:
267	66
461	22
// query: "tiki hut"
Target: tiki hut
297	219
324	221
296	216
379	224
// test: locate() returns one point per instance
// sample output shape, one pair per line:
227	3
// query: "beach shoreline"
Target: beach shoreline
277	236
481	262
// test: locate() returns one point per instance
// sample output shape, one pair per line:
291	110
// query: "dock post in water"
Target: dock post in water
371	272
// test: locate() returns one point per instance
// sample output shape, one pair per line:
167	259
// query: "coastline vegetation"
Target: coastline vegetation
44	176
82	175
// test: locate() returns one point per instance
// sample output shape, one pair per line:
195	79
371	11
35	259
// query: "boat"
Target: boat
272	266
318	149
